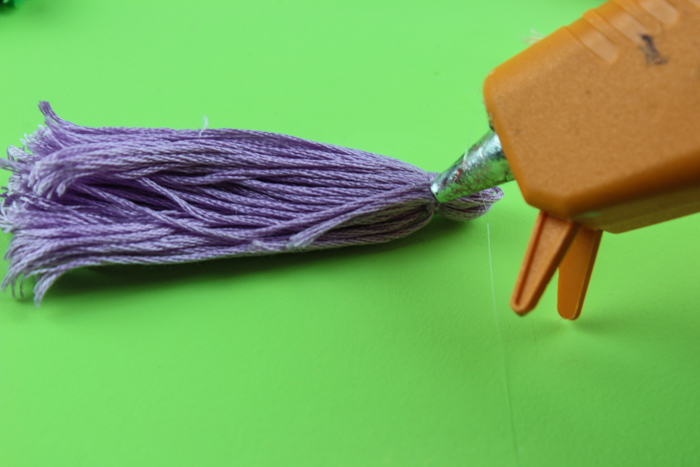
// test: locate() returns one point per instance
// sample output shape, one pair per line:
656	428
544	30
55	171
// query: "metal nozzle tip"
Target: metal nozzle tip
483	166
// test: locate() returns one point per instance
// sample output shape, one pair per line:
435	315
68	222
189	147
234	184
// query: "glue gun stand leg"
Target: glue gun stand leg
575	272
556	243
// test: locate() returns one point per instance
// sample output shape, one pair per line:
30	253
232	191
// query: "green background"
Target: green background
388	355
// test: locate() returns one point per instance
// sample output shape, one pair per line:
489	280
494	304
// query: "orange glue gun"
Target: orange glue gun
599	125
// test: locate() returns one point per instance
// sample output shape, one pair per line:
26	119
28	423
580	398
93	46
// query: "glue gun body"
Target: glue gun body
599	125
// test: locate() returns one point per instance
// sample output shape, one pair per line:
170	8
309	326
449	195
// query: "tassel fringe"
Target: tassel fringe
83	196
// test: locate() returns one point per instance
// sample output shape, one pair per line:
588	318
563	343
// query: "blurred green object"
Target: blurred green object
368	356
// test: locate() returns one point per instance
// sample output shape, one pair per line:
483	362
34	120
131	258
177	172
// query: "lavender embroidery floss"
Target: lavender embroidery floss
82	196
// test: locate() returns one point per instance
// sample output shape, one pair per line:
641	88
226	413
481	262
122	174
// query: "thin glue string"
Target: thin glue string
500	346
205	124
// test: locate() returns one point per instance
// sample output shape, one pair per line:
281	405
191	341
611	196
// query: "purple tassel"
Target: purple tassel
83	196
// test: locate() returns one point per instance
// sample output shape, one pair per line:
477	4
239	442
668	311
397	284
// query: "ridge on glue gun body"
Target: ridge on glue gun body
599	124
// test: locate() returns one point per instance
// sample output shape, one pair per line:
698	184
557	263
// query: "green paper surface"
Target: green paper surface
403	354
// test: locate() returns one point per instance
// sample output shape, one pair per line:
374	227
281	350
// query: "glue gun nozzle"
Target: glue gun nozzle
483	166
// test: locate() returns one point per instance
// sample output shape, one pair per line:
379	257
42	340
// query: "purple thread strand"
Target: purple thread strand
83	196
